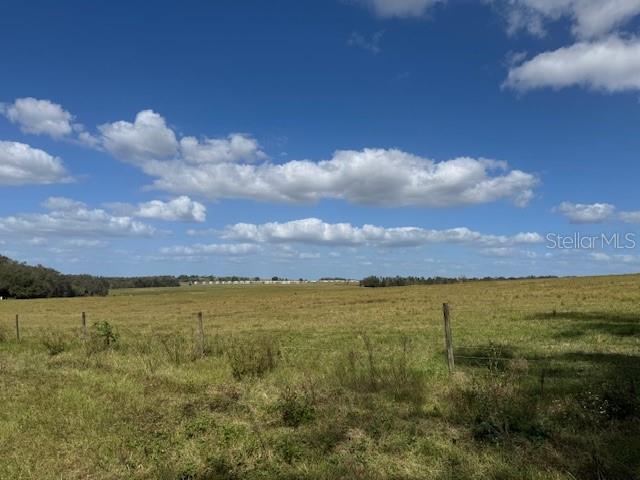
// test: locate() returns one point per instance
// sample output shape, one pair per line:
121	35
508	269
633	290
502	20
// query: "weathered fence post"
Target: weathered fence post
447	336
17	328
84	324
201	332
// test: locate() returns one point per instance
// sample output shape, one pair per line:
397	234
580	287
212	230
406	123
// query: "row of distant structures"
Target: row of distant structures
269	282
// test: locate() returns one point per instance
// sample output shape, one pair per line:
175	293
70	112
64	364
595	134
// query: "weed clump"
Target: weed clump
253	357
102	337
295	408
496	407
610	400
55	343
391	373
175	347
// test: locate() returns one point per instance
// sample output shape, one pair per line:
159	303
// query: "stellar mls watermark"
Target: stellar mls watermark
580	241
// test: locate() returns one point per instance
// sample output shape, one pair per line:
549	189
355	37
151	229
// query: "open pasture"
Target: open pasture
326	381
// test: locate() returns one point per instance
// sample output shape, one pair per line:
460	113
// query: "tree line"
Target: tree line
19	280
374	281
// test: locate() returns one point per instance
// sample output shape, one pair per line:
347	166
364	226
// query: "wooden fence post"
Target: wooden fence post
84	324
17	327
447	336
201	332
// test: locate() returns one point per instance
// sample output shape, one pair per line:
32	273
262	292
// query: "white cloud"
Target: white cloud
509	252
63	203
369	177
315	231
595	213
400	8
21	164
619	258
231	249
630	217
235	148
148	137
86	243
226	168
67	217
181	209
590	18
611	65
39	117
586	213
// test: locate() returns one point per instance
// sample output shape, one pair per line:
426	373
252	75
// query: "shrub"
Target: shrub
615	399
253	357
102	337
295	408
54	342
496	407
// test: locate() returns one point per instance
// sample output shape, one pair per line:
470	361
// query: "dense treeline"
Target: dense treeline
19	280
373	281
142	282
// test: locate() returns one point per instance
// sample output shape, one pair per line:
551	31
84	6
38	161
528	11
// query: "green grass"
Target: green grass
325	382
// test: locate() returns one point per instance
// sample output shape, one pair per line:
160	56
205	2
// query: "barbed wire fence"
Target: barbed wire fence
456	356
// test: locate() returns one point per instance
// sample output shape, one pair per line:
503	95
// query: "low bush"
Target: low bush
496	407
55	343
253	357
295	408
101	337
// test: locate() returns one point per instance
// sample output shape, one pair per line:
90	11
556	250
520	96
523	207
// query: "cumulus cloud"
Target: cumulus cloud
231	249
21	164
369	177
611	65
67	217
315	231
39	117
181	209
236	167
236	147
400	8
148	137
595	213
586	213
590	18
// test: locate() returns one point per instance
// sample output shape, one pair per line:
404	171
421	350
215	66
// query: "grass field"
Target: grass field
327	382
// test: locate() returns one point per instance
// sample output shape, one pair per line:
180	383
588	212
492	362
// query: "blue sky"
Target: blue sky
320	138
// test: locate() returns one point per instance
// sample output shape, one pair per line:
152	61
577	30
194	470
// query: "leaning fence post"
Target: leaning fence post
201	331
447	336
84	324
17	328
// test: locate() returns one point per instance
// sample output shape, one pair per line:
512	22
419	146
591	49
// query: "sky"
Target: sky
321	138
